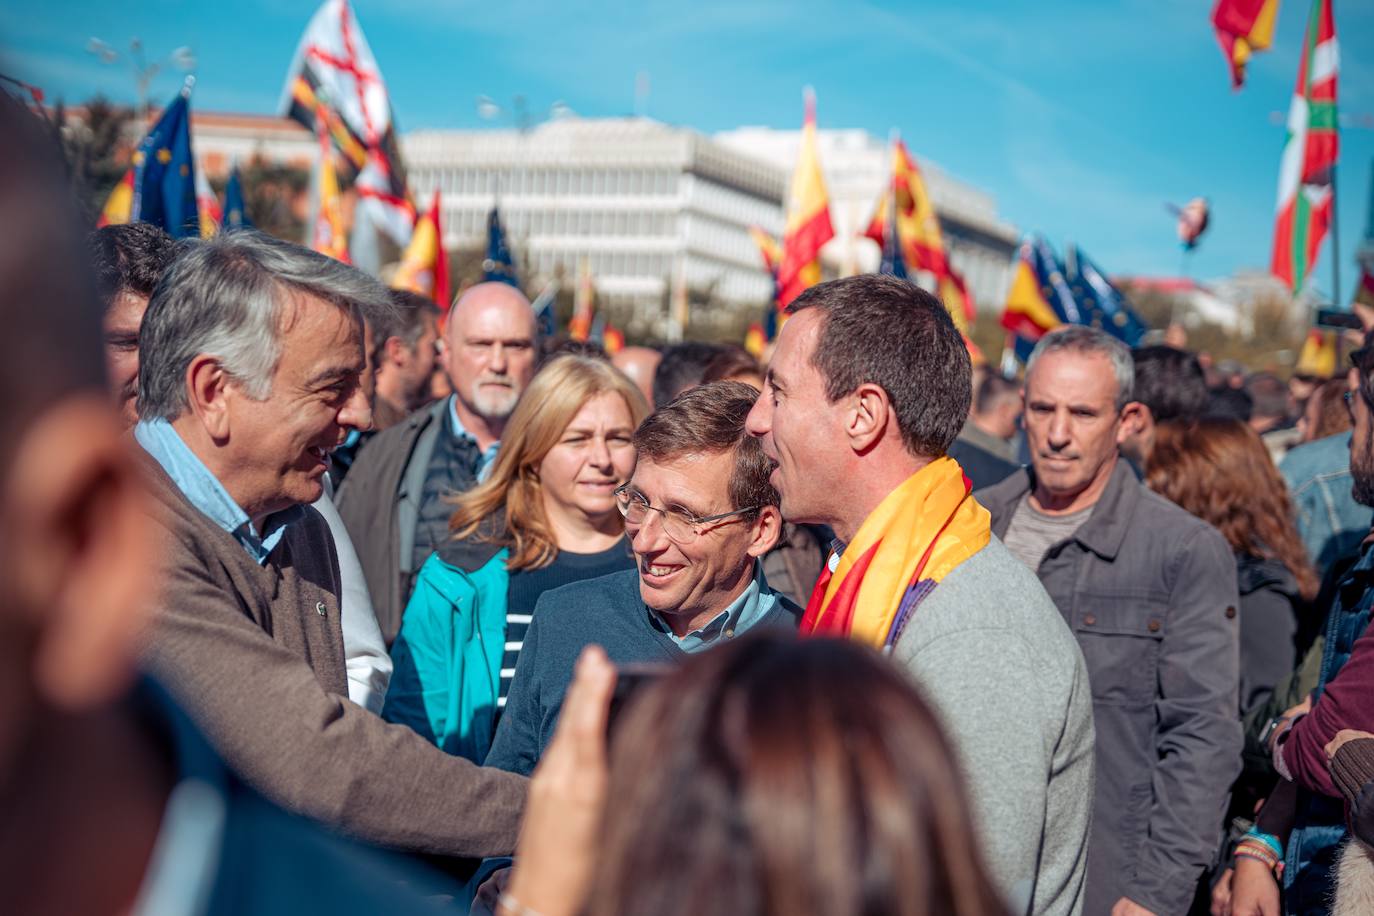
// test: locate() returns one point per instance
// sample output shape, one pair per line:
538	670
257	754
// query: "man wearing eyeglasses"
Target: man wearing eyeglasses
699	512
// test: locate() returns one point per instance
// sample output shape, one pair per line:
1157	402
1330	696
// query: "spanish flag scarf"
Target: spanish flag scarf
921	531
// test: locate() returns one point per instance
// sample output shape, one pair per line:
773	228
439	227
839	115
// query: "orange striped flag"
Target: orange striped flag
808	216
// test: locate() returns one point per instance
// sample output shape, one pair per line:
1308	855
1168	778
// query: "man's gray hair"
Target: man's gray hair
225	297
1081	338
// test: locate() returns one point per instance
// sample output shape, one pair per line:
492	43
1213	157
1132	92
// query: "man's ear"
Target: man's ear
868	417
80	554
395	352
767	530
207	387
1136	423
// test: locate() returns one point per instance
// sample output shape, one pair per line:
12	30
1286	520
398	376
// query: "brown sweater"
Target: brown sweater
256	654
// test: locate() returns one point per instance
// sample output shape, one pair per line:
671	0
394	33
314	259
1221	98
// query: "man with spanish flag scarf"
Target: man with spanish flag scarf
868	387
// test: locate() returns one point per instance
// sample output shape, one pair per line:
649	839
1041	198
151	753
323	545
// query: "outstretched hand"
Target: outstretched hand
554	858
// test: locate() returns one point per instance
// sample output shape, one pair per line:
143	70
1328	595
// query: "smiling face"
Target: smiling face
594	456
696	580
1073	427
277	450
801	431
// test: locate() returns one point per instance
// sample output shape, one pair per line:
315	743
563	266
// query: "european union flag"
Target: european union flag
164	173
543	311
499	266
1103	303
235	212
1053	284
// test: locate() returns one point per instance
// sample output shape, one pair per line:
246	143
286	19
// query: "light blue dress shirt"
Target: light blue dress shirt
488	458
207	494
752	605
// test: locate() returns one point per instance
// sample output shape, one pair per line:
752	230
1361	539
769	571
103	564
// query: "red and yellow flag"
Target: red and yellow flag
120	204
328	235
808	216
424	266
1028	313
918	534
584	304
1309	154
918	232
1318	356
1243	27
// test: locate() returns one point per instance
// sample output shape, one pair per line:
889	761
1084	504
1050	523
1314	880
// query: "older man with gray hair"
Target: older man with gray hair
1150	593
251	364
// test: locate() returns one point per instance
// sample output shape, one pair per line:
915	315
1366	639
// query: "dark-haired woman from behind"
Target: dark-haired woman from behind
769	777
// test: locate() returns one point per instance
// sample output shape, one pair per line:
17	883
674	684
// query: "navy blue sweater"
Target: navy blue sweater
607	612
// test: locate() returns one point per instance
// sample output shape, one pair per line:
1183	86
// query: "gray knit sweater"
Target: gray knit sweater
1006	677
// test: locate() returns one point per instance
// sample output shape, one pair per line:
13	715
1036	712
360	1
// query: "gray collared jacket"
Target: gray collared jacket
1150	594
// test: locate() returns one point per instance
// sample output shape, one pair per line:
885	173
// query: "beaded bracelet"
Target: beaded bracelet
1274	844
1261	853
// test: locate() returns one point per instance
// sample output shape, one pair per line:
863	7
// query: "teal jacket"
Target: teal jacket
447	656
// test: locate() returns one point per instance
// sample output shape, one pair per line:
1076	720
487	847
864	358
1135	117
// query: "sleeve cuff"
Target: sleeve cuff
1353	767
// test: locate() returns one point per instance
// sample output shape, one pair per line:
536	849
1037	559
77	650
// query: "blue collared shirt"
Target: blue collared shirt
752	605
207	494
488	457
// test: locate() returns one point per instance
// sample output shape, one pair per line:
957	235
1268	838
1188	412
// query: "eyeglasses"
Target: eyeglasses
680	527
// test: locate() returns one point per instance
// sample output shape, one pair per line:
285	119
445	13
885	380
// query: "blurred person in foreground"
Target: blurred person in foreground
699	514
1150	592
393	500
1169	386
544	518
734	364
639	365
1331	521
868	387
777	776
252	364
111	801
129	260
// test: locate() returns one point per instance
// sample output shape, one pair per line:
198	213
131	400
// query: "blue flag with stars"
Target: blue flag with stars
893	263
1054	286
164	173
235	212
1104	305
498	266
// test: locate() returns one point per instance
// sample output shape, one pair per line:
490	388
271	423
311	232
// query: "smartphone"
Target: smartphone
630	680
1339	318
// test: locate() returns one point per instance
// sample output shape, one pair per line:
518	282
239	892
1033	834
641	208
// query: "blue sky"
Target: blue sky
1083	117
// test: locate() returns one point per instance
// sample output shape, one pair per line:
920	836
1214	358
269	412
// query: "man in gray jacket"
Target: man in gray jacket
1150	593
868	387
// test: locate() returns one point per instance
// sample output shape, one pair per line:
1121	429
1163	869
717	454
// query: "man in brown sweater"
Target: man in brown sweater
251	355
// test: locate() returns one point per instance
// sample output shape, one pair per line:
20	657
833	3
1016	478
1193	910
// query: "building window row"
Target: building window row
538	181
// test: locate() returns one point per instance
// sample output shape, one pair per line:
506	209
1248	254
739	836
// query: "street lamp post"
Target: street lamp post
144	71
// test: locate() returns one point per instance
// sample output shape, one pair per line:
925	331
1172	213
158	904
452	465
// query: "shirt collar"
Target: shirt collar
204	491
487	458
751	606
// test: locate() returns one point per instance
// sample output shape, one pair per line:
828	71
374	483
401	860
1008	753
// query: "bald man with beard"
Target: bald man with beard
394	500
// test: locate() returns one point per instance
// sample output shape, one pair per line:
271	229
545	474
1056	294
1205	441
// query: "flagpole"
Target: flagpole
1336	302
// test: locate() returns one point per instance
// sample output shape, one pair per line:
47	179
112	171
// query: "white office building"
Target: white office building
857	167
649	207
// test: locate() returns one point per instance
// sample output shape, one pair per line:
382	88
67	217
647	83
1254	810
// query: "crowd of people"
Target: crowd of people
318	598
